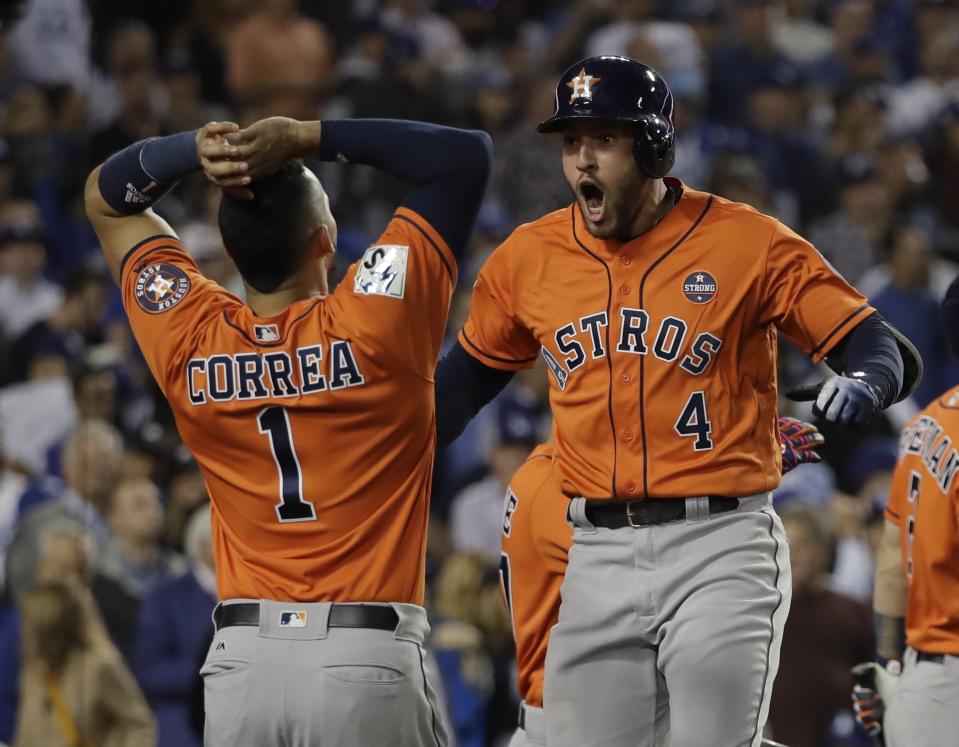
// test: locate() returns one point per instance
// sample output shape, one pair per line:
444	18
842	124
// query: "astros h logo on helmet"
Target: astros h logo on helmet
582	86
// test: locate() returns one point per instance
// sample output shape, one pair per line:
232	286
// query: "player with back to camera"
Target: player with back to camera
310	412
916	597
656	307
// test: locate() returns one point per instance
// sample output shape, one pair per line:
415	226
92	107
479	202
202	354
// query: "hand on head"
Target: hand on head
232	158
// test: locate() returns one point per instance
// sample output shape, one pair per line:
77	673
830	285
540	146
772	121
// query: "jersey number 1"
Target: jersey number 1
275	424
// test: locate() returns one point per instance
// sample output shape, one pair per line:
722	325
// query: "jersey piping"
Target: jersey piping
479	350
609	358
446	264
642	360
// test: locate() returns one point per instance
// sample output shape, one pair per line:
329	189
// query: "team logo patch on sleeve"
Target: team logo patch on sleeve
382	271
700	287
160	287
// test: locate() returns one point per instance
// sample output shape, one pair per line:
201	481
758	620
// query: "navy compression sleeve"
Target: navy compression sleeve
871	348
449	167
463	387
136	177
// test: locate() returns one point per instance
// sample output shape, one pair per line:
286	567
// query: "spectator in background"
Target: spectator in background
51	43
914	105
459	642
132	562
850	238
172	635
52	346
139	113
825	635
278	62
129	46
747	59
91	463
476	515
65	556
186	494
74	688
911	305
25	296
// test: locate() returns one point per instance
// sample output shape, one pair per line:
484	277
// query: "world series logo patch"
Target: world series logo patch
700	287
160	287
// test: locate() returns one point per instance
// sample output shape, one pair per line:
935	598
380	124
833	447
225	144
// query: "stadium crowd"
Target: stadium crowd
839	117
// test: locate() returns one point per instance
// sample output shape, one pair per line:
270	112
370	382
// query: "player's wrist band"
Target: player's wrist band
140	174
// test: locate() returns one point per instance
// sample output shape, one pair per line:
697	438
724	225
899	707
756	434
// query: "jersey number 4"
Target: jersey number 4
694	422
274	423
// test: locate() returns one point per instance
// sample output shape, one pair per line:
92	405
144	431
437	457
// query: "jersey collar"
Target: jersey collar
668	231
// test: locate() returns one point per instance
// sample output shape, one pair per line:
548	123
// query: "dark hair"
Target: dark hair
265	236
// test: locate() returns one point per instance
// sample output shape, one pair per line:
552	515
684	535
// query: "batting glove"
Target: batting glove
798	441
874	686
840	399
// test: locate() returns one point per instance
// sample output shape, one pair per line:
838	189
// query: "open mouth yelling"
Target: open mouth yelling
593	201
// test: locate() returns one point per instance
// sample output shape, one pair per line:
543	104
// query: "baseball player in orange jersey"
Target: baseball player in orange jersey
916	597
657	308
536	539
310	413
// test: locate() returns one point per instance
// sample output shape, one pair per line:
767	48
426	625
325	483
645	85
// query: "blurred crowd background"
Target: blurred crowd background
840	117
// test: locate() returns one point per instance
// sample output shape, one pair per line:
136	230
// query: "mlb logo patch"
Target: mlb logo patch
293	619
382	271
700	287
266	332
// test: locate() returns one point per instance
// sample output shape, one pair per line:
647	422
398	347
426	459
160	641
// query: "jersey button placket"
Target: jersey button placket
627	436
630	486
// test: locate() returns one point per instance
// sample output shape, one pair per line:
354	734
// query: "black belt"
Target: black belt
380	617
934	658
618	514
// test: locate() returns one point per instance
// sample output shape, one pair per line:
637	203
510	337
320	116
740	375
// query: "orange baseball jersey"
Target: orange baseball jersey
662	350
314	428
536	539
924	504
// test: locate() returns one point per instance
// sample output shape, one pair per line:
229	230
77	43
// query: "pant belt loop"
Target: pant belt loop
697	509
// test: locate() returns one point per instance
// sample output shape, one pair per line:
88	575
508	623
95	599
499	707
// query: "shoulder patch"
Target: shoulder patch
160	287
382	271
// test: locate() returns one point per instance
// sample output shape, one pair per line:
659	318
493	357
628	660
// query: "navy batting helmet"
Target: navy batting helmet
621	90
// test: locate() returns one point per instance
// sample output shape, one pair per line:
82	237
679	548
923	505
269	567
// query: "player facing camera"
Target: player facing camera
279	230
615	116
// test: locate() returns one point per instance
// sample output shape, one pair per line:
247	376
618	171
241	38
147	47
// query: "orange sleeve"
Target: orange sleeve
493	333
397	295
897	509
806	298
167	300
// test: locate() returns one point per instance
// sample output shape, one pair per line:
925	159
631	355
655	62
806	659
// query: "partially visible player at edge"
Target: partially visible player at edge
916	597
657	308
536	540
310	413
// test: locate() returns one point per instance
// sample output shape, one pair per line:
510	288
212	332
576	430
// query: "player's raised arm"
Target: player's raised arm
448	167
120	192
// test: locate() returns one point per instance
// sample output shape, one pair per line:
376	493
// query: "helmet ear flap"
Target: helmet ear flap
653	148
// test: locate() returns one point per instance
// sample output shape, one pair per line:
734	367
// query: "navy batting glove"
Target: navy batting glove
840	399
799	441
869	709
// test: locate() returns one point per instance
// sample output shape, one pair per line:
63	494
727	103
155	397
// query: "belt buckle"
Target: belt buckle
629	516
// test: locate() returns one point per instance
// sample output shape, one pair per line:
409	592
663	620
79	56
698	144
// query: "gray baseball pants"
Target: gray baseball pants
533	731
669	634
924	711
315	686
